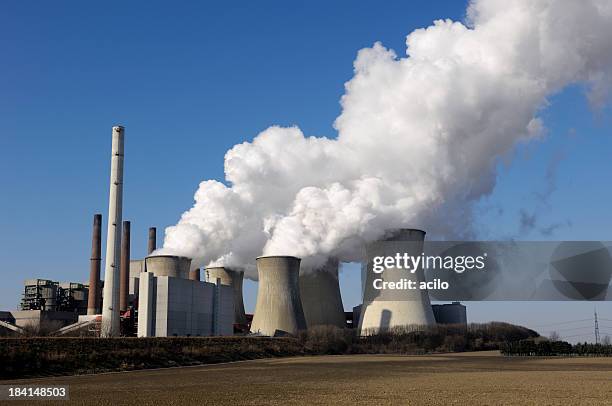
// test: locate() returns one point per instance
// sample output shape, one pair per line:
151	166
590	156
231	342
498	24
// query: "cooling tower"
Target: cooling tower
320	293
124	271
234	279
110	311
168	265
93	300
279	307
385	309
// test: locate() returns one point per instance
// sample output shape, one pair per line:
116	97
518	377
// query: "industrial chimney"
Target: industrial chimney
125	267
383	310
234	279
279	307
321	299
93	300
110	311
152	240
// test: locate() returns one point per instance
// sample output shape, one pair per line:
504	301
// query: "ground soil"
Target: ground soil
484	378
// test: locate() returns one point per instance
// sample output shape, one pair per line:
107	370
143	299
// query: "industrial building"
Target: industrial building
230	277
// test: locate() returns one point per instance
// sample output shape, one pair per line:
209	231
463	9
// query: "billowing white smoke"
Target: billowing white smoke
419	137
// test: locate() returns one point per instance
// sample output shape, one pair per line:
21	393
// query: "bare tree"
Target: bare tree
606	340
554	336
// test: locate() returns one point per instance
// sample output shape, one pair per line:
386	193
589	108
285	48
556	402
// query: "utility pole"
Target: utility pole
596	328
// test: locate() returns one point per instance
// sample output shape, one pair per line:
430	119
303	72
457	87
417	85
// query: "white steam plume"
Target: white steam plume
418	140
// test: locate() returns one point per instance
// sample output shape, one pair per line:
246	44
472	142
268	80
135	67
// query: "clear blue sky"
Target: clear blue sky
189	80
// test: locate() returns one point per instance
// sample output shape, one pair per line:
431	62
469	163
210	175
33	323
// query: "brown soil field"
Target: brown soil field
484	378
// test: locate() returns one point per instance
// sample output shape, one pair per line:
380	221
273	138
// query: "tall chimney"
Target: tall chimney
125	267
110	311
152	240
93	300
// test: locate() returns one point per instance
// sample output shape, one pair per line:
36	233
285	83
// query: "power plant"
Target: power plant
163	295
279	307
321	299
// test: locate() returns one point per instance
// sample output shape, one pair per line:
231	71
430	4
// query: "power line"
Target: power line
572	328
563	322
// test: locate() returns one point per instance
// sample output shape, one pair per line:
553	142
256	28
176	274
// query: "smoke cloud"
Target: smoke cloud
418	139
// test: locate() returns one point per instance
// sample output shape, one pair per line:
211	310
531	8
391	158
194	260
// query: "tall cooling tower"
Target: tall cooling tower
110	310
168	265
384	310
320	294
234	279
279	307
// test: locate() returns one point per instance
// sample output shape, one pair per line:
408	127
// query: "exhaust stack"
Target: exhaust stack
152	240
125	267
110	311
321	299
93	300
279	308
234	279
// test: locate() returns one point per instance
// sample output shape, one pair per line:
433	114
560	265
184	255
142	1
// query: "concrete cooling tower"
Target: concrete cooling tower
234	279
320	294
385	309
168	265
279	307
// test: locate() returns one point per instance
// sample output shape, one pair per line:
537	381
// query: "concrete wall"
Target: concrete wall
234	279
34	318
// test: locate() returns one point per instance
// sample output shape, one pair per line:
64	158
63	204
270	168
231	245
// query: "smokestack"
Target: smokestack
385	309
152	240
279	307
194	275
234	279
125	267
110	311
93	300
321	299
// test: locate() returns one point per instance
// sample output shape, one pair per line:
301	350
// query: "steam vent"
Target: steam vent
279	307
403	308
321	300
